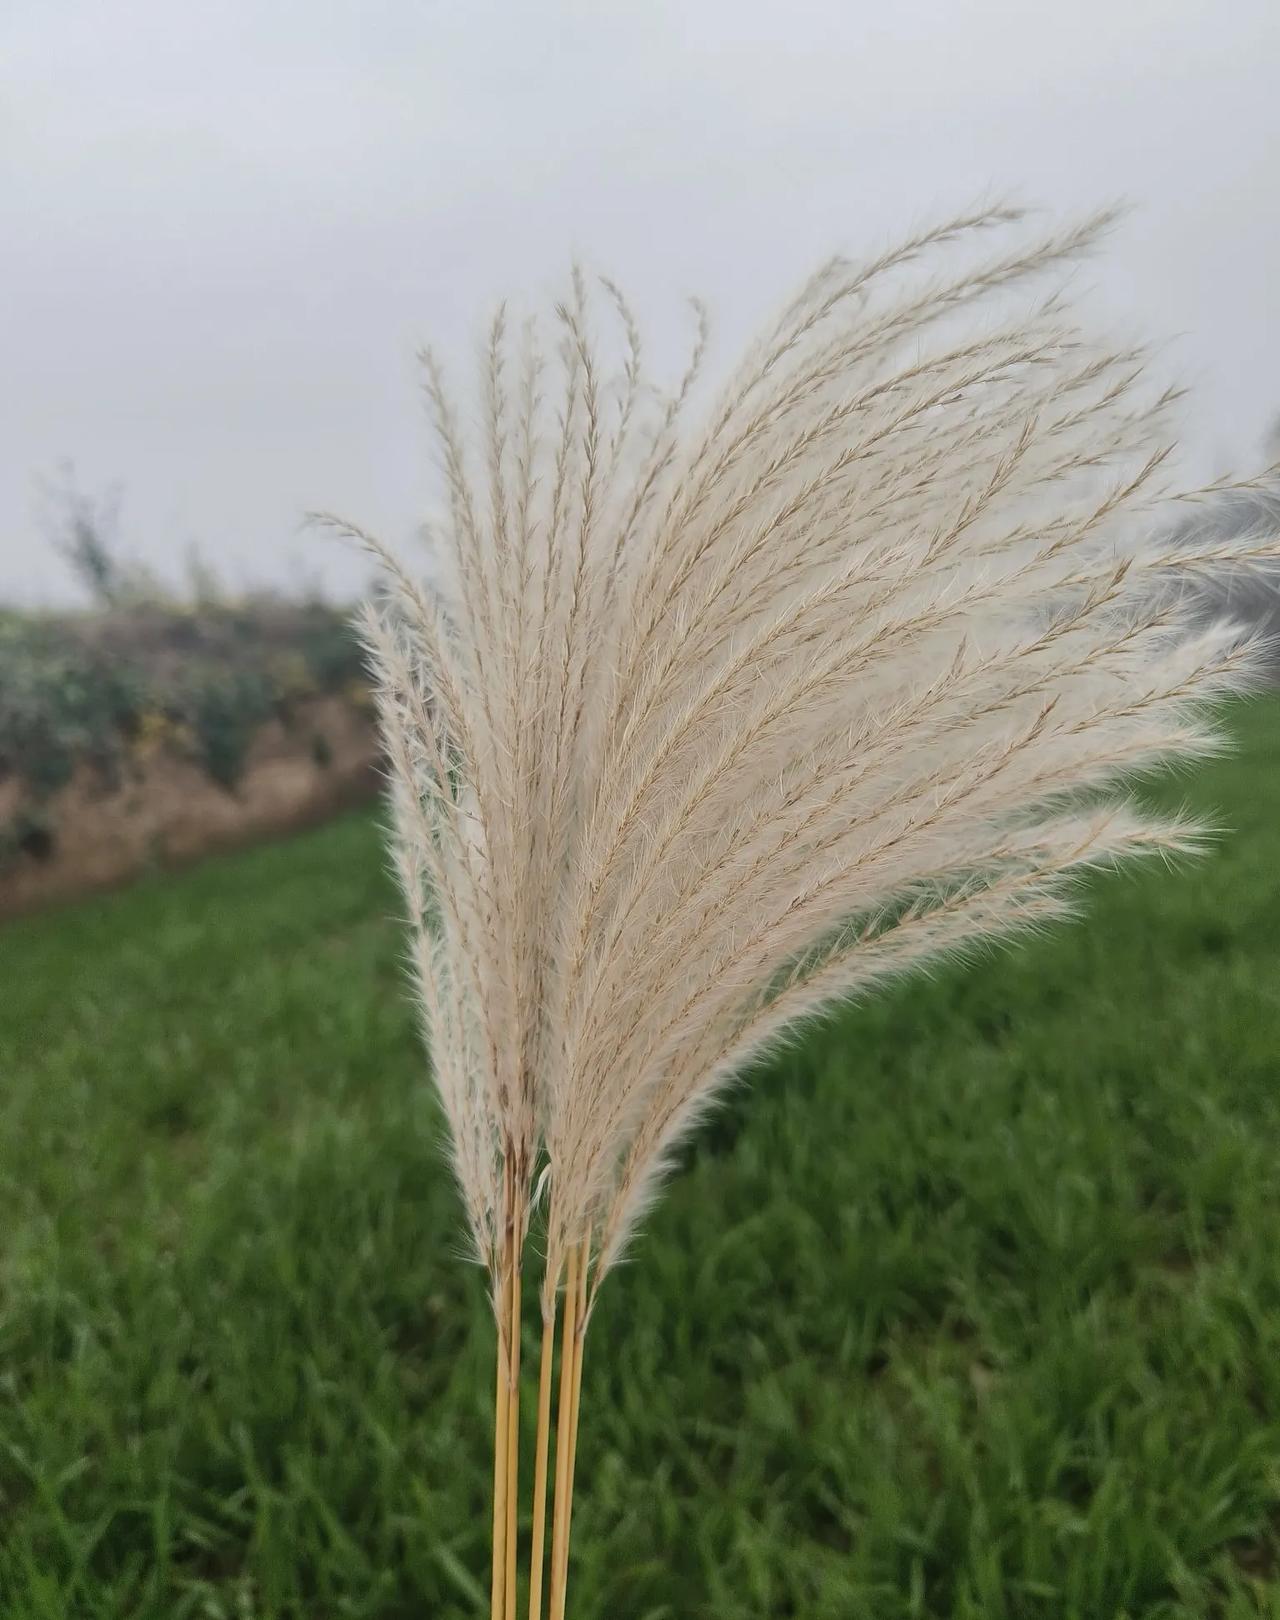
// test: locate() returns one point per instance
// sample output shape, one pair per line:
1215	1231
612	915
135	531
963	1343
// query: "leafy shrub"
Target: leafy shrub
225	708
60	703
113	689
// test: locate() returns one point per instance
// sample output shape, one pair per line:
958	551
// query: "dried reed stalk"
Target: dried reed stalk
719	710
501	1475
542	1449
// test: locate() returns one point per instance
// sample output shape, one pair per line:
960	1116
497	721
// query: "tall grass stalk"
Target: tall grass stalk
723	706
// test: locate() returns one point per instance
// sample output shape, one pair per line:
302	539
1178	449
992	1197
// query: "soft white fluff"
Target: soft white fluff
715	714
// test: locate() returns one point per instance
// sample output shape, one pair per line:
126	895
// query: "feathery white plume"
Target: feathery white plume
715	715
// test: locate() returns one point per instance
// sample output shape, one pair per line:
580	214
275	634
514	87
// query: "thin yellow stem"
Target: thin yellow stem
502	1406
584	1262
561	1554
513	1440
564	1410
542	1449
501	1422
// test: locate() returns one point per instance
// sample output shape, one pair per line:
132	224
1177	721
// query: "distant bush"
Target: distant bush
113	688
58	703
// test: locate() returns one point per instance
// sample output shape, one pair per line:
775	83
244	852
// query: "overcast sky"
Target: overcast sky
226	225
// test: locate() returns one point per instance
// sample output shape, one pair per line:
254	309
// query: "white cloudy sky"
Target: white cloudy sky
228	222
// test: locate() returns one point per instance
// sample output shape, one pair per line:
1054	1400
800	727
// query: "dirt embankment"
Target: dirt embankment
167	810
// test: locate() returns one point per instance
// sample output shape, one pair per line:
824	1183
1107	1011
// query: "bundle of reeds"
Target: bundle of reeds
715	713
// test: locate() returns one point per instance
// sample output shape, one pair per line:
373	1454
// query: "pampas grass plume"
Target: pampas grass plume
723	707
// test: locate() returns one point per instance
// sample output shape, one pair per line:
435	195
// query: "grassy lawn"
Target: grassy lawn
970	1308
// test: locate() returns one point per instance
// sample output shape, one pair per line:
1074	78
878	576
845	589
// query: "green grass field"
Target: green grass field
971	1307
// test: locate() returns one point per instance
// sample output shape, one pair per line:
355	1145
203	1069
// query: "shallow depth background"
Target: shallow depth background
232	224
968	1308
